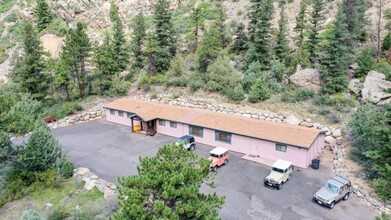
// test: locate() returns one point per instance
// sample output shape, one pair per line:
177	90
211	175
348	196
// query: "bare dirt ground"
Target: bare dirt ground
52	44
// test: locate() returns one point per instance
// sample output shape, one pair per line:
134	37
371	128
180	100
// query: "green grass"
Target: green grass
5	5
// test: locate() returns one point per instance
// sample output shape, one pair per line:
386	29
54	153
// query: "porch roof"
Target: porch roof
272	131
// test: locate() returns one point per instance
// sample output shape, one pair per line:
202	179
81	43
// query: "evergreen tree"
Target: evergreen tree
253	72
220	25
120	49
151	51
255	9
105	64
43	152
240	41
208	50
260	90
76	50
334	62
301	21
164	35
138	39
43	14
259	30
197	18
316	21
356	19
28	72
62	77
282	44
168	187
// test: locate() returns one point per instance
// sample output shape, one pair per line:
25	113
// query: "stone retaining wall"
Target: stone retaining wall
91	180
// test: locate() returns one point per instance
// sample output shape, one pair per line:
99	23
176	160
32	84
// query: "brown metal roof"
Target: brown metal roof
272	131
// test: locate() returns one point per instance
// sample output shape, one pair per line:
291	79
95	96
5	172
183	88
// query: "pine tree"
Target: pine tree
316	21
220	25
149	194
241	39
120	48
76	50
334	63
43	14
301	21
256	7
282	44
356	19
164	35
138	39
151	51
105	64
259	31
197	18
62	77
253	72
209	49
28	72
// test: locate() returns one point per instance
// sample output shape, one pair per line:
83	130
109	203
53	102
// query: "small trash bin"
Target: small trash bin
315	164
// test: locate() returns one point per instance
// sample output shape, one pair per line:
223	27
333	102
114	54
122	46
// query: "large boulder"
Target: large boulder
375	87
292	120
306	78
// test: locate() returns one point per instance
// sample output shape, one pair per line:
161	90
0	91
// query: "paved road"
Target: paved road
110	150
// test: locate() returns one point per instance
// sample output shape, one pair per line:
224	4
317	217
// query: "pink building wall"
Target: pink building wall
120	120
300	157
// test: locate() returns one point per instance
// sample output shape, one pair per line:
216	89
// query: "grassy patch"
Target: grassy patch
57	27
5	5
13	17
293	95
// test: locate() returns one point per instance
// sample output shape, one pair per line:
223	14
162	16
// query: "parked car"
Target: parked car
218	157
49	119
333	190
188	142
280	173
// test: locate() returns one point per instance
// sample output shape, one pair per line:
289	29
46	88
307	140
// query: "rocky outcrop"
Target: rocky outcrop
91	180
306	78
375	88
355	87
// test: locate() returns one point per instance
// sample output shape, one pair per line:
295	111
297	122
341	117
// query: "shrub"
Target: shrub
57	27
62	109
31	215
17	182
66	169
221	75
5	147
13	17
58	213
146	81
238	93
119	86
251	75
292	94
196	84
259	91
383	67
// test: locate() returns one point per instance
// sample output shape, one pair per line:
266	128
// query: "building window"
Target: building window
223	136
162	122
172	124
112	112
196	131
120	113
281	147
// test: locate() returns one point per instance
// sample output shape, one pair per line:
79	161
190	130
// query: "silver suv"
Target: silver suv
334	189
188	142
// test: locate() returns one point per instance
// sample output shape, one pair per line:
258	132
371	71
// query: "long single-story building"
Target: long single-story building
265	139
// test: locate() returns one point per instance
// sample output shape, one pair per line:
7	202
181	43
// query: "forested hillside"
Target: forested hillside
331	59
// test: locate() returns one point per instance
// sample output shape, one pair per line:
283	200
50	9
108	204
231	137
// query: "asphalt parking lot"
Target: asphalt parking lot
111	151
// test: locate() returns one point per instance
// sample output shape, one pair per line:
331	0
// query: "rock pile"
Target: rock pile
92	114
91	180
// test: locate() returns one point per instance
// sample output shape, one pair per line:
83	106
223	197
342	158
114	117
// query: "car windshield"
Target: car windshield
277	169
331	187
214	155
180	140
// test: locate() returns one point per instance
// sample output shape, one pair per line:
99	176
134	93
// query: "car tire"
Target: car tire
346	197
214	169
332	204
192	147
225	162
279	186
